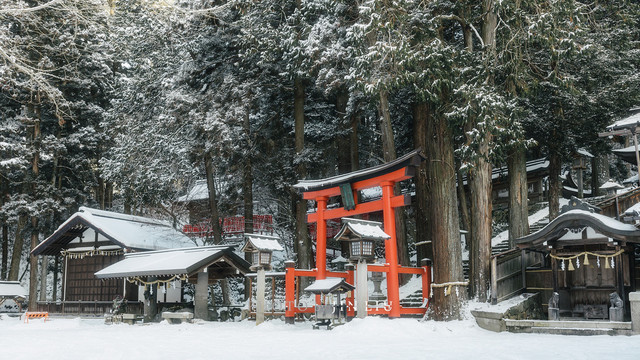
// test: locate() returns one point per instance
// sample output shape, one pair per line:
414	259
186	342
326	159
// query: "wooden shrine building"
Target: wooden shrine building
91	240
157	270
589	256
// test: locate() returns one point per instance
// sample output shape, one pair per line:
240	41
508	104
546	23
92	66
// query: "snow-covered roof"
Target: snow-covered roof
12	289
631	179
584	153
329	285
629	122
411	159
184	261
199	191
339	259
532	167
611	185
126	231
578	220
356	228
261	242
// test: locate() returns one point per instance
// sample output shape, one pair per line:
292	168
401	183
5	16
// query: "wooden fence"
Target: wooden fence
508	273
85	308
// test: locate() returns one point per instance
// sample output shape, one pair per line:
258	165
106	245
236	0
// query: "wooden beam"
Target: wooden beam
394	176
362	208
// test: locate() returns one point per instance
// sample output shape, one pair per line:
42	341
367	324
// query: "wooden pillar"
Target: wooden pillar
260	289
554	271
321	239
426	278
151	303
620	275
494	280
201	297
391	251
350	299
290	295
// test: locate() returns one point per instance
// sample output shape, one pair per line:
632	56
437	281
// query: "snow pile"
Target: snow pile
370	338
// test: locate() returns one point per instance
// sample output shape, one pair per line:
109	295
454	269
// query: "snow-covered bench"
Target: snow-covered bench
177	317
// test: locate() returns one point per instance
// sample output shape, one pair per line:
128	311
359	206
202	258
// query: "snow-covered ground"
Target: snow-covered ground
371	338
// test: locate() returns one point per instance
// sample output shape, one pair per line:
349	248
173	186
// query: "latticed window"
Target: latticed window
355	248
265	258
367	248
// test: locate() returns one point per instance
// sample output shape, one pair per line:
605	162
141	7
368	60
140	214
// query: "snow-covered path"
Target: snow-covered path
371	338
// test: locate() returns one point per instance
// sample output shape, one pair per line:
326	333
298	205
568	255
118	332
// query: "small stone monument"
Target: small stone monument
554	309
616	311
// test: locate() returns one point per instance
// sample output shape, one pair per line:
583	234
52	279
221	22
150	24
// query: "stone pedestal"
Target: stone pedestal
554	314
616	314
634	300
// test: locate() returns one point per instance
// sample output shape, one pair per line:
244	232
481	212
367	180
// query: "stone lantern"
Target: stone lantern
261	247
361	236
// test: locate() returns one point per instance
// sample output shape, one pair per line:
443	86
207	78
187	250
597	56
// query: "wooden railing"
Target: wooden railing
508	273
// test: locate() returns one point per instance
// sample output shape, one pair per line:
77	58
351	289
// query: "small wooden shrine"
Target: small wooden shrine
91	240
589	258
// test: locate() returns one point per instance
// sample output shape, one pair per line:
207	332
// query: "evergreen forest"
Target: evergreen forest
124	105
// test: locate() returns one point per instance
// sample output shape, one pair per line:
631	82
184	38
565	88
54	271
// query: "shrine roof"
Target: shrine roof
411	160
12	289
630	122
583	221
199	191
329	285
361	229
185	261
261	242
126	231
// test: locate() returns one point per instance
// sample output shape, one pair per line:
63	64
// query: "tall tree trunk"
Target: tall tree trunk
343	140
304	248
18	244
5	240
555	185
462	199
33	271
389	154
213	201
421	115
56	266
443	220
43	278
35	169
481	208
247	197
108	197
480	182
518	195
247	176
353	142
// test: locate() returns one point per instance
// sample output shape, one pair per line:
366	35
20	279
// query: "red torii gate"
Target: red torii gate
347	186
